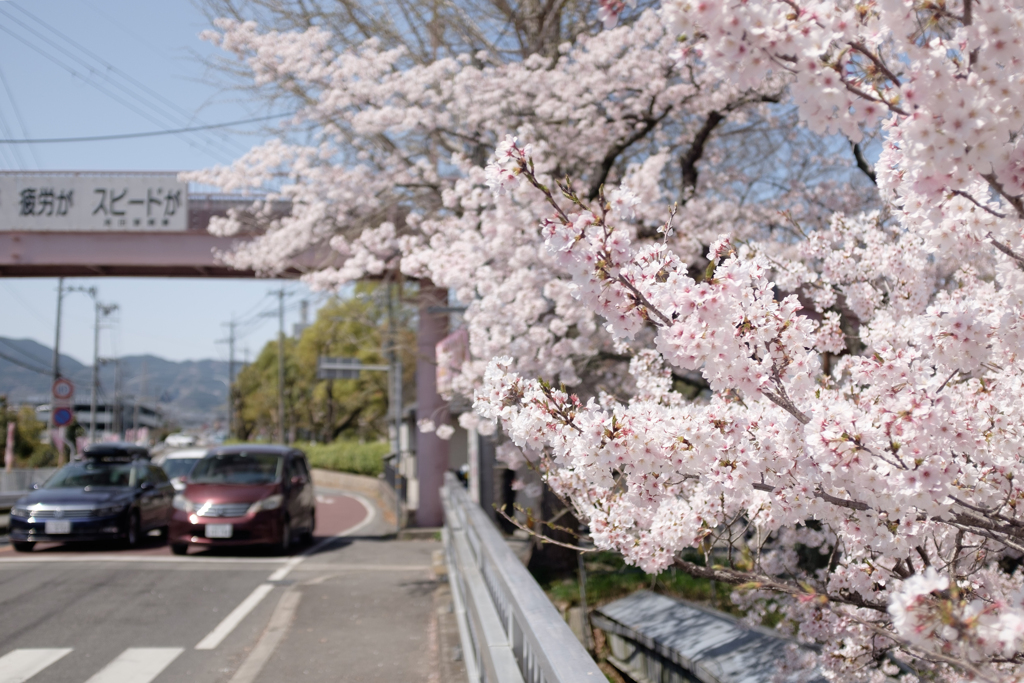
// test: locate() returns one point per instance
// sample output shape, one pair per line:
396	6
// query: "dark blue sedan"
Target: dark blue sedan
113	493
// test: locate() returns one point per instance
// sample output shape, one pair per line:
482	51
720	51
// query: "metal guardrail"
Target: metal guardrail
16	483
510	631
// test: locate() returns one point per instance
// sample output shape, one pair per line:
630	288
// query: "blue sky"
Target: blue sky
155	44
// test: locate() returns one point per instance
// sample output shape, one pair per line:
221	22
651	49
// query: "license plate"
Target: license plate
219	530
58	526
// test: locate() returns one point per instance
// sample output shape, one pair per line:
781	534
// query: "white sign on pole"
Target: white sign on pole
63	390
92	202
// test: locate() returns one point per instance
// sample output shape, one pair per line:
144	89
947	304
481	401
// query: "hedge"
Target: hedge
347	456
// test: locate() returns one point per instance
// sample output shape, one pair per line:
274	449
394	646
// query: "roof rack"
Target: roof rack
115	452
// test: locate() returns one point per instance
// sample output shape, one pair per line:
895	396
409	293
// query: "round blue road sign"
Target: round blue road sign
62	417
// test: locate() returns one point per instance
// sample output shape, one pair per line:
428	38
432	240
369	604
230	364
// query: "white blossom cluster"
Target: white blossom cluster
866	385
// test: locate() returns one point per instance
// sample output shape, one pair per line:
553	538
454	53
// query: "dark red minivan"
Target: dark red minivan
246	494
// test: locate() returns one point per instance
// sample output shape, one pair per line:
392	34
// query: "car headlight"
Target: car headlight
110	510
269	503
180	502
21	512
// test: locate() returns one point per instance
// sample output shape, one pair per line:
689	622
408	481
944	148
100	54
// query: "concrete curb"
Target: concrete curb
373	488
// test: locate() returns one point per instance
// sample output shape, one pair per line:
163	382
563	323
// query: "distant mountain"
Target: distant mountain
190	393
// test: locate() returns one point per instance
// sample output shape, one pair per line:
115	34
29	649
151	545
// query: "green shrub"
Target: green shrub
610	578
347	456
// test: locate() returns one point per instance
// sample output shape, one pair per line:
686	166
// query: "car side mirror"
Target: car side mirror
35	487
146	486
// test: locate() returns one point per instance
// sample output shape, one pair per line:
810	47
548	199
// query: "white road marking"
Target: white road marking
371	515
288	566
20	665
224	628
137	665
280	620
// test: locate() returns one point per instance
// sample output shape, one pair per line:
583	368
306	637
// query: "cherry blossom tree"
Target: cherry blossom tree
384	169
857	465
823	399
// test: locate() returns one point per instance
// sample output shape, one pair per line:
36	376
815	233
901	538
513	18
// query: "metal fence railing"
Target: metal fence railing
510	631
13	481
17	482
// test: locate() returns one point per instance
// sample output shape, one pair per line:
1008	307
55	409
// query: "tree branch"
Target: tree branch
862	163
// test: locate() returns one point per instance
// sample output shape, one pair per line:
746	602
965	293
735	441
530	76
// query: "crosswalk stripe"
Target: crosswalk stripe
20	665
137	665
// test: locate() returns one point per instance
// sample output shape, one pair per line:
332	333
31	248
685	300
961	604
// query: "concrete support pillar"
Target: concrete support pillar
431	452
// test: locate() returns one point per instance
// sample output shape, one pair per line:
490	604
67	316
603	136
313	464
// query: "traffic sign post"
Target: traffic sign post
62	406
62	416
63	389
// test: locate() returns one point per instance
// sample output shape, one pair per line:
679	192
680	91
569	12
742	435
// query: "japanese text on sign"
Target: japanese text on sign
92	202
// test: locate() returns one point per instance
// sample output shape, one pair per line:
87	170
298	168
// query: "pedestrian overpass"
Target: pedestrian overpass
142	224
80	224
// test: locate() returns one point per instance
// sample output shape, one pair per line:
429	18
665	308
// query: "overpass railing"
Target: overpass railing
510	631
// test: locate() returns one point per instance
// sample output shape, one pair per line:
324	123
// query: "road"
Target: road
353	606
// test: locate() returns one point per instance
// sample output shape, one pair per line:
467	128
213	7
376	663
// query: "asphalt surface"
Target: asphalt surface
355	605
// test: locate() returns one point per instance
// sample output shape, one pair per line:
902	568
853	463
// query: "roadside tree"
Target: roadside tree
326	410
858	463
389	172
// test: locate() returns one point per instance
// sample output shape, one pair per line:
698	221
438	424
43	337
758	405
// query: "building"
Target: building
111	418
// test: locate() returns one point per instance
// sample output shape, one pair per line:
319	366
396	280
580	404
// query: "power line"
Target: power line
17	116
19	363
126	76
94	84
21	302
152	133
131	92
22	352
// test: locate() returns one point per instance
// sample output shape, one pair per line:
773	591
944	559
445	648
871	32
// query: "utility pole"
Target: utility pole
395	391
56	371
231	376
280	365
118	412
101	310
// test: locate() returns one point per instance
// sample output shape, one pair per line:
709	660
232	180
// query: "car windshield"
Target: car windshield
91	473
178	467
238	468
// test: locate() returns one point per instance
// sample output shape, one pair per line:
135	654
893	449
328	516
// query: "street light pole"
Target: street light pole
56	370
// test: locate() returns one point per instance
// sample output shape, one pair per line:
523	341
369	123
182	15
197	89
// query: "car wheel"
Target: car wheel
179	548
286	537
134	531
24	546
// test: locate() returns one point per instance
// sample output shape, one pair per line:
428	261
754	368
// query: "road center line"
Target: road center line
231	621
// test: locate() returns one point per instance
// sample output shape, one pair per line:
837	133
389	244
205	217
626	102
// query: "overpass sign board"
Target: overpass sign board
93	202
